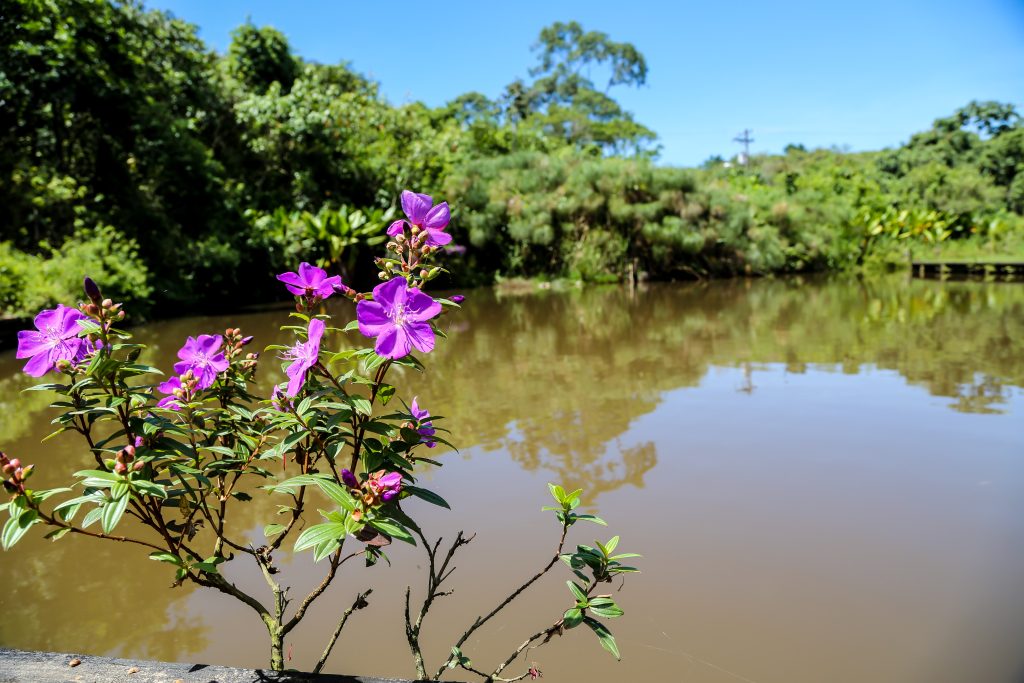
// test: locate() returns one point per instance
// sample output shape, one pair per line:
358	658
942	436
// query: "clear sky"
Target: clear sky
862	74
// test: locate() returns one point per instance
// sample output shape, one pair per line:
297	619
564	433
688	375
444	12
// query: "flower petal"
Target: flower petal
209	343
48	319
396	228
372	319
416	206
31	343
315	332
297	376
421	336
437	238
69	321
293	283
420	306
393	343
391	294
437	218
39	365
310	275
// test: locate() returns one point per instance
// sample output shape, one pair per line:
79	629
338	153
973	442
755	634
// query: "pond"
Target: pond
825	478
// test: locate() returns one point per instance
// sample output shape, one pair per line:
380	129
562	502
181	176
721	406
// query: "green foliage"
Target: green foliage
30	282
221	167
261	56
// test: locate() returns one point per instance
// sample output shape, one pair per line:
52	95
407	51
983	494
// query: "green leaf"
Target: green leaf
319	533
165	557
573	617
393	530
385	393
604	635
325	549
428	496
92	516
362	405
592	518
119	490
579	593
557	492
57	534
112	513
337	493
16	527
40	496
605	607
610	546
272	530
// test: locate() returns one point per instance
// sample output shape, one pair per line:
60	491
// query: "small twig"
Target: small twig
480	621
359	603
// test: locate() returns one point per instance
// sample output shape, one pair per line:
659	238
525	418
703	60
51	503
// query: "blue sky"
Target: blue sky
863	75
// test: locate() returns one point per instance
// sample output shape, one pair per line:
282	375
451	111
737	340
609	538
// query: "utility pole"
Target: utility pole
745	140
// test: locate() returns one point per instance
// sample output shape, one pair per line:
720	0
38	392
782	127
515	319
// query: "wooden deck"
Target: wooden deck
1000	270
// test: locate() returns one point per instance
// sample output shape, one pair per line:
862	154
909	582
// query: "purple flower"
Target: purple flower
349	479
426	426
172	387
54	339
386	485
303	355
204	358
421	212
311	282
457	299
398	317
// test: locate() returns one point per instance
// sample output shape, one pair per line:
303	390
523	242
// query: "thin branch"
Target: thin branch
359	603
480	621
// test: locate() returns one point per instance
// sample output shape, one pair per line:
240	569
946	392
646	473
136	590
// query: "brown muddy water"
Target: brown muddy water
826	480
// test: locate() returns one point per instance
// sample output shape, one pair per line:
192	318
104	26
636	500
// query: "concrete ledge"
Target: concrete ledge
20	666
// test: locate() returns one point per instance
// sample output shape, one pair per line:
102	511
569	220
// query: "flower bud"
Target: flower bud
91	309
129	452
120	468
227	332
8	469
382	276
120	315
15	463
424	273
63	364
246	340
138	466
457	299
400	238
107	303
92	290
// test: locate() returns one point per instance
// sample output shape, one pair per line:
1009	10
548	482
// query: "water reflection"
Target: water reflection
794	440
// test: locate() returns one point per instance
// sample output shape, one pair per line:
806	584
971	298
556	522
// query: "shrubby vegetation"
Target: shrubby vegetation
209	166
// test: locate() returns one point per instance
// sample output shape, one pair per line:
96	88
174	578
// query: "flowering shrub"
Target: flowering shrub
175	455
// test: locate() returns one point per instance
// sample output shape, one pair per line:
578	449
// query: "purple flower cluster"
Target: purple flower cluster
54	339
203	357
423	215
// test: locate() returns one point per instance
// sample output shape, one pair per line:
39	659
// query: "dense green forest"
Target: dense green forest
180	177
